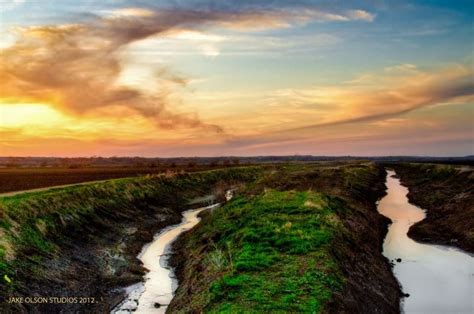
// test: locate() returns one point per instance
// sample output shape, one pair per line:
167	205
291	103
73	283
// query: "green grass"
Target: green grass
270	253
438	172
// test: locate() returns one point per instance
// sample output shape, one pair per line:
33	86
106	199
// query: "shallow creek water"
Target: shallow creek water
160	283
438	279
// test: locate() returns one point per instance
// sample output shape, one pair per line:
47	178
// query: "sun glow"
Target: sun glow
34	120
23	115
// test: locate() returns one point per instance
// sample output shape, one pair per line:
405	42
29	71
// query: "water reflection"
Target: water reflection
439	279
154	295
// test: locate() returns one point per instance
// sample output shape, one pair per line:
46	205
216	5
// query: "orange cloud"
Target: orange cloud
76	67
371	97
375	103
378	96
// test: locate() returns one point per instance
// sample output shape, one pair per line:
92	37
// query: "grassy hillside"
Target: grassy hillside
299	239
447	193
82	241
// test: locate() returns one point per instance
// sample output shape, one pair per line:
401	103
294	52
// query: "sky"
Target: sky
212	78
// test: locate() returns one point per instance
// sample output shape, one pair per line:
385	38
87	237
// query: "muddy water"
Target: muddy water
160	284
438	279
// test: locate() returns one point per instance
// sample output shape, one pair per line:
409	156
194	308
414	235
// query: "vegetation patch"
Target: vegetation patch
269	253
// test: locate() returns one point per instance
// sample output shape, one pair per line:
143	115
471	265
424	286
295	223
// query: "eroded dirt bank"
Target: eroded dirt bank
233	262
447	194
82	242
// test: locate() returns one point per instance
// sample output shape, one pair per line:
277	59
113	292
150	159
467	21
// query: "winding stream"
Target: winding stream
154	295
438	279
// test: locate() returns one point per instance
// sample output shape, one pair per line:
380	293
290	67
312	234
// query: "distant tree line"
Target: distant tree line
192	162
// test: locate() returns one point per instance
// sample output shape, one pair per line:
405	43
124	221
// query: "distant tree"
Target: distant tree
236	162
191	164
226	162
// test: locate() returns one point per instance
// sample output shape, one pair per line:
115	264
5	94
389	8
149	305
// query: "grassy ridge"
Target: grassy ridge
36	228
273	250
288	243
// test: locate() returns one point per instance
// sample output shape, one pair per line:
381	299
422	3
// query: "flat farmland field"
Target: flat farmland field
19	179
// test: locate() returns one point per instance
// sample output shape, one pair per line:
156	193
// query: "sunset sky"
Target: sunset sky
209	78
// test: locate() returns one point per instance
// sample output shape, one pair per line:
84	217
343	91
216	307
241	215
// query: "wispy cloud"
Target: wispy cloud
384	96
6	5
361	15
127	12
76	66
209	44
397	90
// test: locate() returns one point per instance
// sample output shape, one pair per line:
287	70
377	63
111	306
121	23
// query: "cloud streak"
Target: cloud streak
377	103
397	91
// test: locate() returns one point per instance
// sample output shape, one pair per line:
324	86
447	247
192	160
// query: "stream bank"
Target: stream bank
82	241
434	278
447	194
